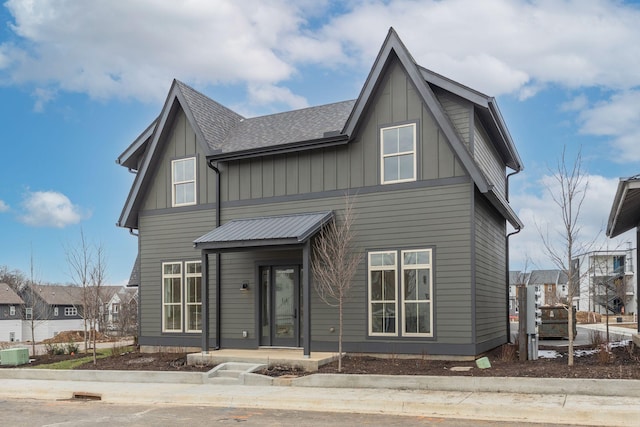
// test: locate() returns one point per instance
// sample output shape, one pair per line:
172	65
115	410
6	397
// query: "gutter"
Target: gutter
205	328
507	258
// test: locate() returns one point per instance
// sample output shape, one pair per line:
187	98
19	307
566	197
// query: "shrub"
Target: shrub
72	348
54	349
596	338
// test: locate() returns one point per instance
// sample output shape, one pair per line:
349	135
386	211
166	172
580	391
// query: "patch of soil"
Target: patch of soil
135	361
73	337
620	363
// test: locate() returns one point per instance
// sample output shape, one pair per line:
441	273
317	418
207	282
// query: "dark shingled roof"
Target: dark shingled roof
214	120
291	126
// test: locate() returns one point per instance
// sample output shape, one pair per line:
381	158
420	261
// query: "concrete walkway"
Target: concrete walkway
576	402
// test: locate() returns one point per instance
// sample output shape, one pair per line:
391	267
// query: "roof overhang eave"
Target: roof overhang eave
624	186
332	141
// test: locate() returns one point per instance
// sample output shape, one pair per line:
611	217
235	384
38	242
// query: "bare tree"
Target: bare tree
37	310
334	264
79	260
572	184
126	321
94	301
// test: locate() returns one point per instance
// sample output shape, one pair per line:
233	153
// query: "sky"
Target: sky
79	81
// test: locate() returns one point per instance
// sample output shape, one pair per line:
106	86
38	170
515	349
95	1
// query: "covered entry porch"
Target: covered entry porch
281	290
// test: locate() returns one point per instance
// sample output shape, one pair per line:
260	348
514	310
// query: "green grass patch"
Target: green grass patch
74	363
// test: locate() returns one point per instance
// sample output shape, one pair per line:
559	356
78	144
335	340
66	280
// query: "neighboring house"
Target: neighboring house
226	210
51	309
607	281
121	302
516	278
11	312
552	284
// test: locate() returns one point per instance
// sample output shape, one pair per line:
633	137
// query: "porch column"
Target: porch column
306	300
204	284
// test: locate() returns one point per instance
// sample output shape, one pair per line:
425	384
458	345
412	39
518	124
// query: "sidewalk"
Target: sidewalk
561	402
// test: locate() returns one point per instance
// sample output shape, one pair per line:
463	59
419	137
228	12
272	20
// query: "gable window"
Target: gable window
401	292
70	311
398	148
55	311
183	181
12	310
182	294
28	314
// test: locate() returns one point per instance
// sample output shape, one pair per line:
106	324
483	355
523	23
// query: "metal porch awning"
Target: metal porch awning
293	229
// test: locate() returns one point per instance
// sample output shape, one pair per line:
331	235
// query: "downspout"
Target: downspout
218	257
507	258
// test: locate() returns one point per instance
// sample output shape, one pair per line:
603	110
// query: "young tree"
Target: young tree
568	194
79	259
94	307
334	264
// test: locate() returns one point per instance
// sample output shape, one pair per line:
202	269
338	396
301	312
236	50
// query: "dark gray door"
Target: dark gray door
279	305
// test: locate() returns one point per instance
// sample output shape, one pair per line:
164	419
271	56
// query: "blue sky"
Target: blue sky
79	81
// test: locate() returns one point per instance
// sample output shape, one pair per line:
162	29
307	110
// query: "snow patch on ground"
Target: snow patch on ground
552	354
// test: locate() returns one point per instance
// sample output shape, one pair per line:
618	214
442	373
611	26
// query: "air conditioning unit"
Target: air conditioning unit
14	356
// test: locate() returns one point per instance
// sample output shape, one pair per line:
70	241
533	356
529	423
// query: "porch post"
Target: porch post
204	284
306	300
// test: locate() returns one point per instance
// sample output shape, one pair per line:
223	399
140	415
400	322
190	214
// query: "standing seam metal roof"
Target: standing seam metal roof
297	227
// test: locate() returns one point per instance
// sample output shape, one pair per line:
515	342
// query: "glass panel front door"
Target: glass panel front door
279	306
285	306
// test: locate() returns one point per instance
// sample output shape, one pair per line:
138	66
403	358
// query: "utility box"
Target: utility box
555	322
14	356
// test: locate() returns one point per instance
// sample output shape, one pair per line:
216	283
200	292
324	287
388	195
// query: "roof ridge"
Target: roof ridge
301	109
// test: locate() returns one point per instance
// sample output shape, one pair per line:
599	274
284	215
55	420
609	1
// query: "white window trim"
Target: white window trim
28	314
187	304
394	268
174	183
165	304
417	301
12	310
55	311
384	156
70	311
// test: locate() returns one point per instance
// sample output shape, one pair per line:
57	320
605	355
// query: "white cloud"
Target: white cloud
49	209
133	49
617	118
3	206
539	211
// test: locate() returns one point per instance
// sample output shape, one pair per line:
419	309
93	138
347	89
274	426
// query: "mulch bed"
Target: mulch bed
621	363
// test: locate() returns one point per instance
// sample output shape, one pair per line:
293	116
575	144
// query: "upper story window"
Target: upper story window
183	181
398	162
70	311
12	310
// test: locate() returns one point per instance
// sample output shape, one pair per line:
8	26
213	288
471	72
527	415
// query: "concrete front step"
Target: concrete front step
232	372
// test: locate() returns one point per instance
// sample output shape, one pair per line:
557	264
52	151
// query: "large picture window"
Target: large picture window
183	181
181	296
398	162
401	292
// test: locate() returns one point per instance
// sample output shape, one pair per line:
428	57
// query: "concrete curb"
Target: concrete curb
569	386
565	386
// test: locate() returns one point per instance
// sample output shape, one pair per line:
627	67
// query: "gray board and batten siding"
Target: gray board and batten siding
442	210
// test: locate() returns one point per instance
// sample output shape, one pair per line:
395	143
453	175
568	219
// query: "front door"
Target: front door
280	306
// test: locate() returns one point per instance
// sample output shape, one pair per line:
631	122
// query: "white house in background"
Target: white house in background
607	281
115	305
11	312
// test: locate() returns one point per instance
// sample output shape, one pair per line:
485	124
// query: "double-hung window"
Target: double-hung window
193	277
401	293
28	314
182	296
12	310
383	302
183	181
172	297
417	291
398	162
